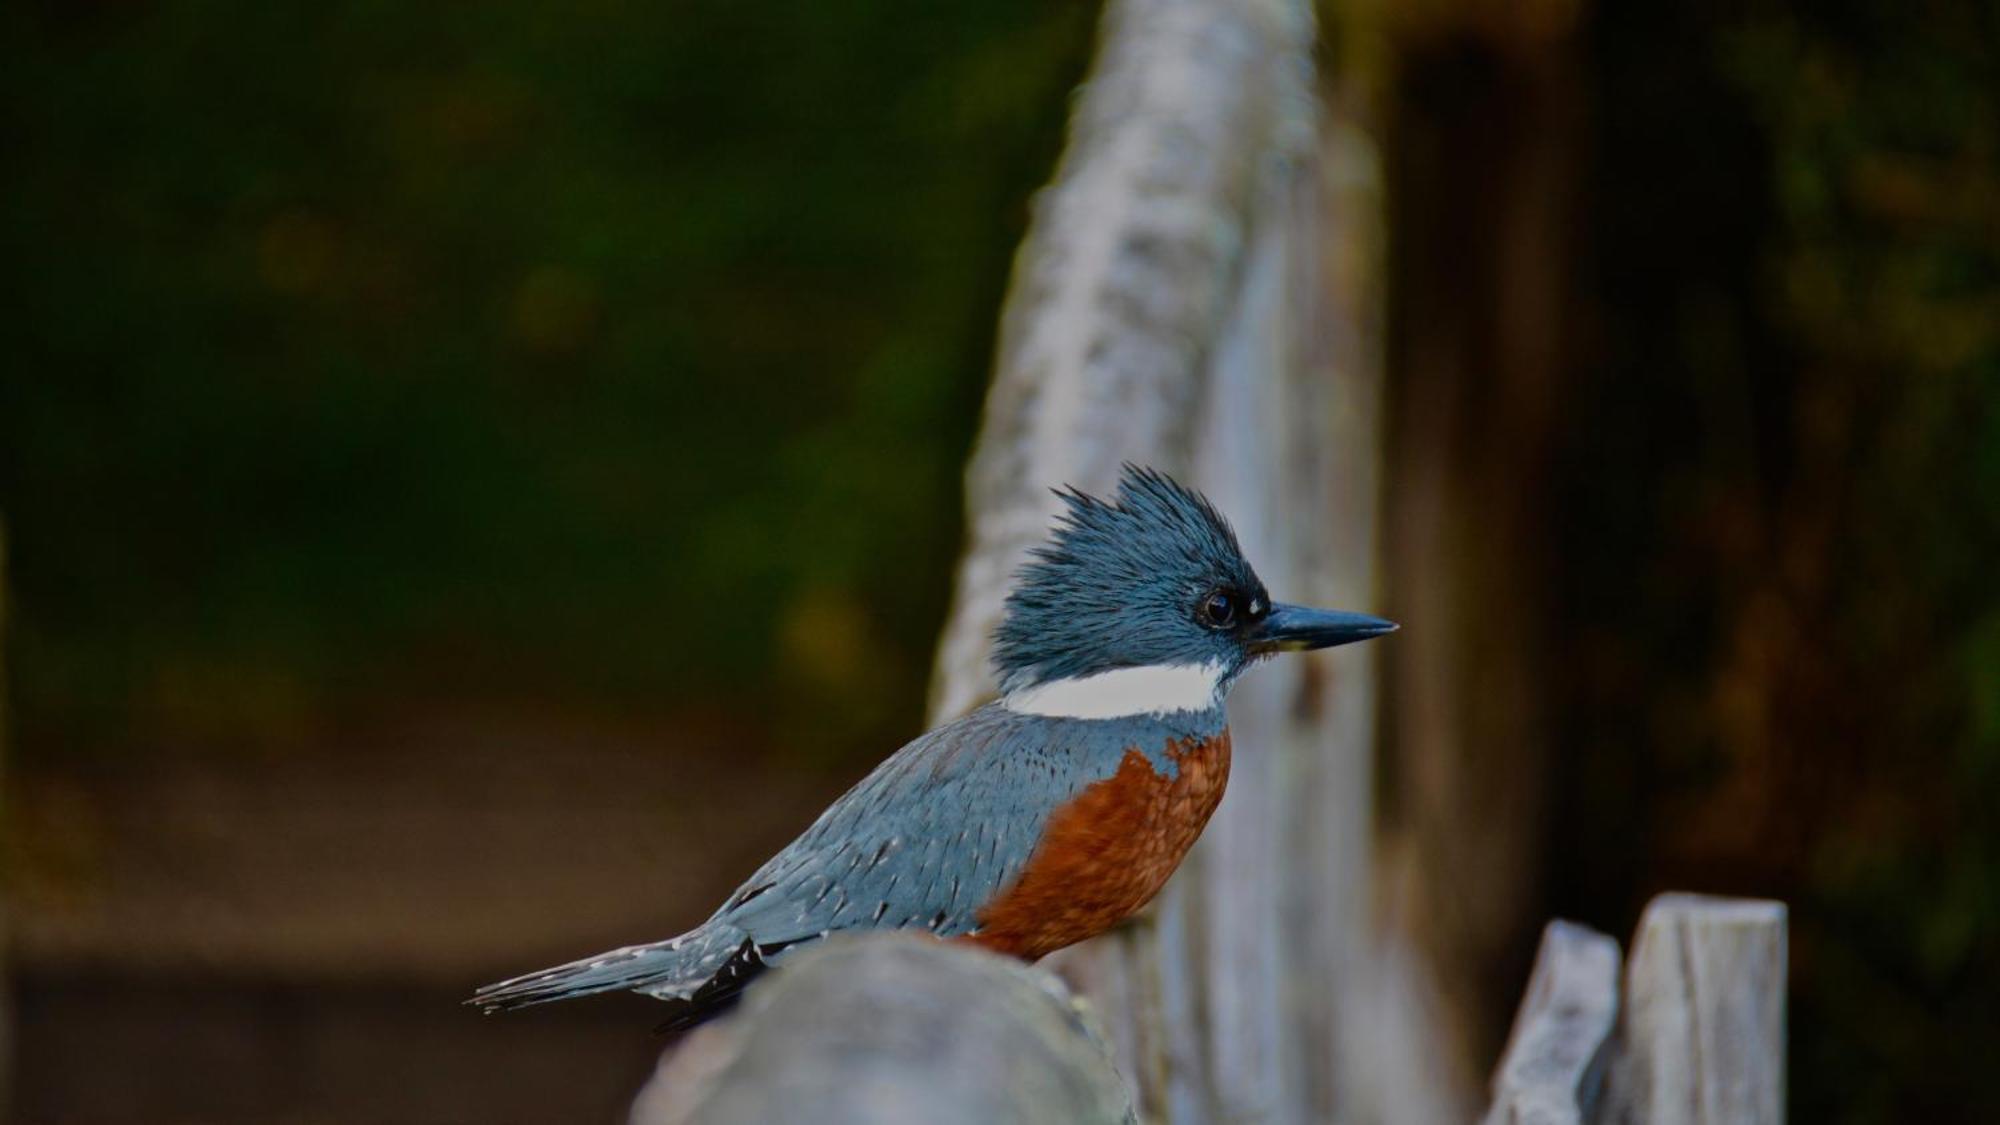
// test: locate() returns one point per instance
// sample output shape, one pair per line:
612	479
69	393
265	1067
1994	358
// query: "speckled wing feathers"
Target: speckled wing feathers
940	828
926	841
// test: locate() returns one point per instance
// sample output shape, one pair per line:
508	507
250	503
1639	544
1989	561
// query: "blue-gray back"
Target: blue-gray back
938	829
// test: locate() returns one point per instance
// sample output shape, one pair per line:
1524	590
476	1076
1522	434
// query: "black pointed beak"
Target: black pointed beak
1296	628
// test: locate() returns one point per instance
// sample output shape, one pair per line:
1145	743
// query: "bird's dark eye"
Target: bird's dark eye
1218	610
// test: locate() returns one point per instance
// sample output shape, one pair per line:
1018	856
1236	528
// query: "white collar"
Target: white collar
1155	689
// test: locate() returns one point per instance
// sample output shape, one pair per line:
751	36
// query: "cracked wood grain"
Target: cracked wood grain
1553	1067
1702	1038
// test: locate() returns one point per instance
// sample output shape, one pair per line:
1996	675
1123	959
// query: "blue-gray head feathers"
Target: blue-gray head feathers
1152	577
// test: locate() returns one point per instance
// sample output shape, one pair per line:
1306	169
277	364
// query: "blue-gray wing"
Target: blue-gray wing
927	839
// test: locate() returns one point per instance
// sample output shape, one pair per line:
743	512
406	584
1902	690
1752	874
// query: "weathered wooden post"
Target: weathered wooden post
1554	1063
1697	1036
1198	293
1702	1041
1171	306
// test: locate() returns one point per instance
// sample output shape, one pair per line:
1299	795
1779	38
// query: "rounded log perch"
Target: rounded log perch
892	1028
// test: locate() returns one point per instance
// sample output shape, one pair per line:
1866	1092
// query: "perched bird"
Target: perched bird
1040	819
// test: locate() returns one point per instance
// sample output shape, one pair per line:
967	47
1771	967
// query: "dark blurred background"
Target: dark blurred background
477	477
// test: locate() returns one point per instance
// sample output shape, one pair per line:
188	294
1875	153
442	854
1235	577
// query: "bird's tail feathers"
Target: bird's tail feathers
667	969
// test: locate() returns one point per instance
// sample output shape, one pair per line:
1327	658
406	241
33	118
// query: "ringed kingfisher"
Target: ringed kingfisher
1044	817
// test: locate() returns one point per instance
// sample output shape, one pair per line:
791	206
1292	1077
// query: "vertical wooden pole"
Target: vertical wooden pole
1702	1041
1174	305
1699	1030
1553	1069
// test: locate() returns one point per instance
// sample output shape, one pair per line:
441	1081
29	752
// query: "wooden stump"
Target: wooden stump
1699	1038
892	1029
1702	1041
1554	1063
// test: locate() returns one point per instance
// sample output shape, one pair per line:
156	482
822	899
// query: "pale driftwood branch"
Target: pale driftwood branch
1198	293
1702	1040
1551	1071
1124	280
893	1029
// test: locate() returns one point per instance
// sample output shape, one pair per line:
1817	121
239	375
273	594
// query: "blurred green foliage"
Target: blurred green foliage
606	349
1886	273
1782	561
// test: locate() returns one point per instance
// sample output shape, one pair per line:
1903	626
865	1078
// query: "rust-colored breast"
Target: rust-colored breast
1107	852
